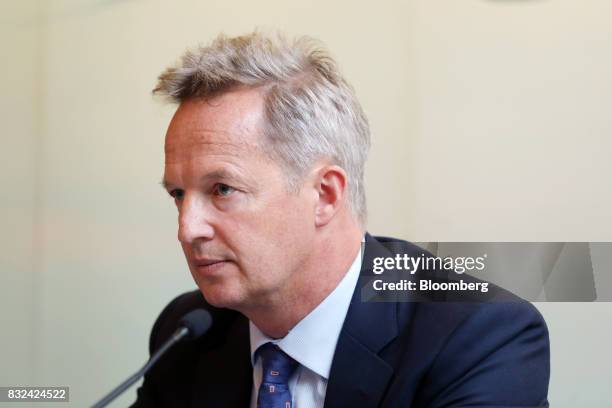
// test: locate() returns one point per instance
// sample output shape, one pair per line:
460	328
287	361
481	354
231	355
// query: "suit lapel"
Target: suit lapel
358	376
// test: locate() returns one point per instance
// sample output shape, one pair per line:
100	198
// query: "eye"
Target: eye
223	190
176	194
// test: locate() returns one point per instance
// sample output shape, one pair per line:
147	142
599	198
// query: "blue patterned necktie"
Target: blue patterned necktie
277	368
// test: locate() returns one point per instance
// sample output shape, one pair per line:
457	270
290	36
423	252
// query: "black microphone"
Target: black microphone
191	326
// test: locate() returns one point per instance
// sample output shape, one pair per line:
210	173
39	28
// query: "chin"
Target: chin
221	297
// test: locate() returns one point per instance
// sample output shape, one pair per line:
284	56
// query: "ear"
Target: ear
331	181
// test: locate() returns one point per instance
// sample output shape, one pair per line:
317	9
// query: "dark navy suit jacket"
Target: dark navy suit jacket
389	354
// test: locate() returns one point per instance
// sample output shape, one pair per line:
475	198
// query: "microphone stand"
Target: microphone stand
178	335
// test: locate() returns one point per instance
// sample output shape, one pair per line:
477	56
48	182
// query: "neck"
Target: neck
329	262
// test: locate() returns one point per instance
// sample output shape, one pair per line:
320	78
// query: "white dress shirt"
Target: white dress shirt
312	343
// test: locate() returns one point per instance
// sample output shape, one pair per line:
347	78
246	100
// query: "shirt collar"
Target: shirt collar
312	342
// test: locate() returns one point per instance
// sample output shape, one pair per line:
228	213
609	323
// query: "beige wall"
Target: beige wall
490	122
20	109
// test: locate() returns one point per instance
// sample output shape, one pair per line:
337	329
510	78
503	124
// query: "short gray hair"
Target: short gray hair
311	111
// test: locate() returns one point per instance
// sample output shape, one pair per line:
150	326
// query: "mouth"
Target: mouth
207	262
209	267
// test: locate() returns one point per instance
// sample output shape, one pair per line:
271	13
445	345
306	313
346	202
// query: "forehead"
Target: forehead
227	124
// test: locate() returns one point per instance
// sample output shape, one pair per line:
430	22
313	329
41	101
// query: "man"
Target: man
265	160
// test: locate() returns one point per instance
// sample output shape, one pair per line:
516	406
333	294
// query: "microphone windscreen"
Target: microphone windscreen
198	322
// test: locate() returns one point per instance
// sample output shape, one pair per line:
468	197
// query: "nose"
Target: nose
193	222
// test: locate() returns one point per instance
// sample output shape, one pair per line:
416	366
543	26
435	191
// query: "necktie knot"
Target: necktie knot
277	366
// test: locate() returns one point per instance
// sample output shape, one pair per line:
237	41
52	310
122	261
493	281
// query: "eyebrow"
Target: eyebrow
217	174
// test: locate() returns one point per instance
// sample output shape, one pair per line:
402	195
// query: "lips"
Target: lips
207	262
209	268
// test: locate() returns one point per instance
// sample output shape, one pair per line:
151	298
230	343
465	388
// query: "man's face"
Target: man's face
243	234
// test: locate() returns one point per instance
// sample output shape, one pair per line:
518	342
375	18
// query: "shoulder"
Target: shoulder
494	312
497	352
491	350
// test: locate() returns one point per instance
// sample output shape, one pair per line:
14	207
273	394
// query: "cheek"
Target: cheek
274	230
293	232
278	216
288	221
